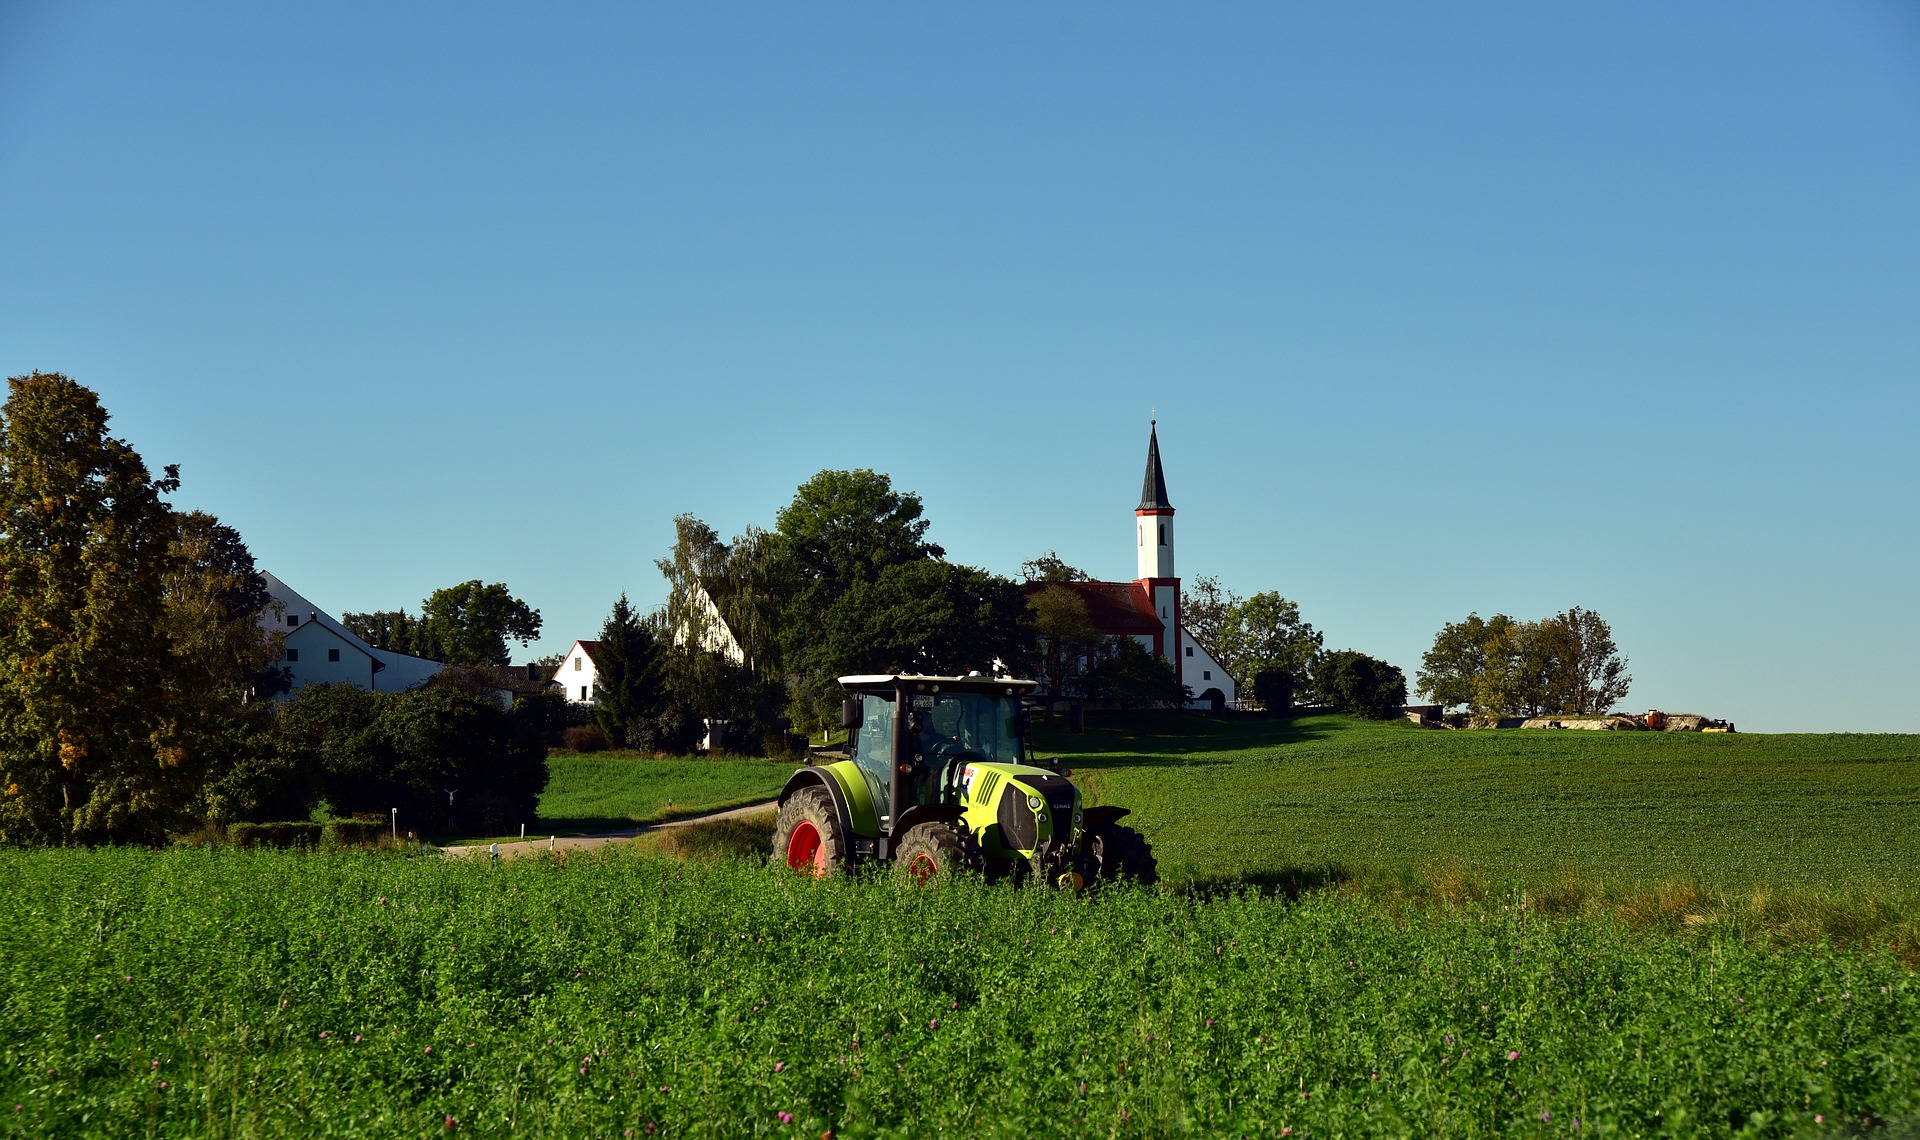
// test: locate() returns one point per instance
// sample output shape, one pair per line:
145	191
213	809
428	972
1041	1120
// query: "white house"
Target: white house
318	649
575	676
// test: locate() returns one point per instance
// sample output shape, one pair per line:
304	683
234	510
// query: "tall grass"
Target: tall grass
272	993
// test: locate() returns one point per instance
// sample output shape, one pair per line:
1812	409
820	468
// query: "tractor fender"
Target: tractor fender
927	813
820	777
1095	816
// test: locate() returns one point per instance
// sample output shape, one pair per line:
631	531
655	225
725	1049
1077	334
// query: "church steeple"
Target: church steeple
1153	490
1153	519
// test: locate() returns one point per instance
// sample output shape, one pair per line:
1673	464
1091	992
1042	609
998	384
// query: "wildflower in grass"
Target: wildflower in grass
1546	1114
785	1117
154	1065
1513	1054
934	1024
451	1124
323	1035
356	1039
429	1048
1209	1023
1817	1117
779	1065
1376	1076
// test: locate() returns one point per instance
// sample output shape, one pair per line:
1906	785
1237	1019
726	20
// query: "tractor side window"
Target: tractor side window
873	747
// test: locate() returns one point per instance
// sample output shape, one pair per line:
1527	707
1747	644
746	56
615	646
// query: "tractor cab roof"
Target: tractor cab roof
916	682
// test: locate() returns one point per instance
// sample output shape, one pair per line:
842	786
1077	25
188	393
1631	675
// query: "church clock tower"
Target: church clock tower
1153	540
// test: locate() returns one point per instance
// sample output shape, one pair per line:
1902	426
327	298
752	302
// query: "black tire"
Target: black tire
1121	853
808	831
930	851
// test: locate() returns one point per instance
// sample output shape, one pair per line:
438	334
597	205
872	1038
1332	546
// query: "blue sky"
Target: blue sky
1443	308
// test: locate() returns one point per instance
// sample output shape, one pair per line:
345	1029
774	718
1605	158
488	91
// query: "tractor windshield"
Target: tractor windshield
954	723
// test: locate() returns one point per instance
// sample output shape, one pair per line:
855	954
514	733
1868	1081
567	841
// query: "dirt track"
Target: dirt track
583	842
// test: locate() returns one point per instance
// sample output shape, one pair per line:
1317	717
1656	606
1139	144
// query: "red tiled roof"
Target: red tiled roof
1113	607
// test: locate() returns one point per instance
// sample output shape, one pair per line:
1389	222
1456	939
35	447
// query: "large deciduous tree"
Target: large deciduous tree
1264	632
1064	633
470	624
92	741
1498	667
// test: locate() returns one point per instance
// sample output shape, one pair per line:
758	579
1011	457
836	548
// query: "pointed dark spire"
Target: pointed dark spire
1153	491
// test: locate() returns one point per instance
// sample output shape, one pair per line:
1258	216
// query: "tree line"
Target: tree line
137	679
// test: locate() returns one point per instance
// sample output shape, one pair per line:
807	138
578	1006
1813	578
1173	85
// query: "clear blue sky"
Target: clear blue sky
1443	307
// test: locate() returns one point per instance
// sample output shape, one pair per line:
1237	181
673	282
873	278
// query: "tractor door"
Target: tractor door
873	747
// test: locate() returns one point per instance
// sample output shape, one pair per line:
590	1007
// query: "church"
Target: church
1147	609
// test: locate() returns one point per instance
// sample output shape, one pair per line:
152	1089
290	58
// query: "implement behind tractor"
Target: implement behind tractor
938	776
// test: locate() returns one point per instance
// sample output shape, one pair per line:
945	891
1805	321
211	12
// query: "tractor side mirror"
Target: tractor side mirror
851	713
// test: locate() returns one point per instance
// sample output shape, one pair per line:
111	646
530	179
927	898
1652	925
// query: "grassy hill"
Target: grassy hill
1255	798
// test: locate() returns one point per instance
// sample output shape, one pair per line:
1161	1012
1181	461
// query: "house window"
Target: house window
1206	674
333	655
576	668
293	619
1189	651
583	692
293	655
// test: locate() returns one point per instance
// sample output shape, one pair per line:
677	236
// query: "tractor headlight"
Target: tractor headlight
1035	803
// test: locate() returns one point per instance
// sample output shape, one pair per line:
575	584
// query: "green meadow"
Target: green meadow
1367	929
1249	797
589	792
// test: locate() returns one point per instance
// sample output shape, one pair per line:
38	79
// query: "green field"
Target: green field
271	993
599	792
1516	933
1251	797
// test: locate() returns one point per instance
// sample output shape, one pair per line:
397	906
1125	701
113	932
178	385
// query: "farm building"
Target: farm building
317	649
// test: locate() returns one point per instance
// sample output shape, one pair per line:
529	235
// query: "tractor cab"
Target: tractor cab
947	725
937	773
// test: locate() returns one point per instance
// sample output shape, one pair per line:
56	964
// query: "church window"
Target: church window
1163	534
1143	536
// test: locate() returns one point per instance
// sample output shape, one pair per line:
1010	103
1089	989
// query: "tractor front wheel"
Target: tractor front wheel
1121	853
807	839
930	851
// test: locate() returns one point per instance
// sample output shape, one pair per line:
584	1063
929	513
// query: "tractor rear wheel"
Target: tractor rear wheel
930	851
807	837
1121	853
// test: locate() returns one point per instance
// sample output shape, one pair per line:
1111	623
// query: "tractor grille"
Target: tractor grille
1019	831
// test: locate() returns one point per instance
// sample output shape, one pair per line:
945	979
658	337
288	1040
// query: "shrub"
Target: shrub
584	738
283	833
1273	688
379	751
353	833
1358	685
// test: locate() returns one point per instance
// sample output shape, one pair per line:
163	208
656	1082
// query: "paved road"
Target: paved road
583	842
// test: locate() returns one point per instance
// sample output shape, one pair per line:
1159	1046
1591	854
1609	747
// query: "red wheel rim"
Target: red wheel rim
805	852
921	868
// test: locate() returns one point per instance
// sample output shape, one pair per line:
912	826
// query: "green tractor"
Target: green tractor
938	776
